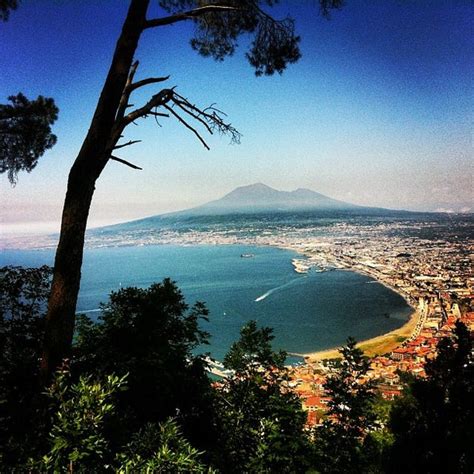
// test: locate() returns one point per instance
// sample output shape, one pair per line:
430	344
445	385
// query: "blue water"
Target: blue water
308	312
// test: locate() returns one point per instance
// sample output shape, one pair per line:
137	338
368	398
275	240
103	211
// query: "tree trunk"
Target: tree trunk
67	274
87	167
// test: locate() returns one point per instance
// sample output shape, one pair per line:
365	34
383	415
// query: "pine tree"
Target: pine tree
339	441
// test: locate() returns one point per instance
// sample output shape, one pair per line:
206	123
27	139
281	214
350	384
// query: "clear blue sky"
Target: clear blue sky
377	112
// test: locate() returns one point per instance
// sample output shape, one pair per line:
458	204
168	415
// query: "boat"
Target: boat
247	255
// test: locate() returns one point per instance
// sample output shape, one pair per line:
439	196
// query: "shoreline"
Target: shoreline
376	345
373	346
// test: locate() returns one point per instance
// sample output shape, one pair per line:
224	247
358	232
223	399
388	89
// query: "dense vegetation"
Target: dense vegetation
25	132
136	397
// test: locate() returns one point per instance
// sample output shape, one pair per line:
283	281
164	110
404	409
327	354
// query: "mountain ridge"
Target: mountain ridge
253	200
259	197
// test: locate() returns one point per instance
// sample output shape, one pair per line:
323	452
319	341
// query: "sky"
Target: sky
378	111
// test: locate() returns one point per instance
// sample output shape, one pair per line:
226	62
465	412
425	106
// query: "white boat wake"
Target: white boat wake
260	298
89	311
270	292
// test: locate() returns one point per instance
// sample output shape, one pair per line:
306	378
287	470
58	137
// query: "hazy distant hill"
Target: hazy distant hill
253	203
261	198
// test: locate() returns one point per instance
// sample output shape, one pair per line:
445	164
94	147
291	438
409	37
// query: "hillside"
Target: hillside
250	202
262	198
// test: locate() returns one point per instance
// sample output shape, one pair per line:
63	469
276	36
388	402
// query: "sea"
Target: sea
308	312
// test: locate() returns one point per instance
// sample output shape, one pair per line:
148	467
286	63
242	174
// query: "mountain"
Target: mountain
261	198
257	199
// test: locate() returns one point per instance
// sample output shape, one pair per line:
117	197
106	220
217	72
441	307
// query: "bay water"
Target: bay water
308	312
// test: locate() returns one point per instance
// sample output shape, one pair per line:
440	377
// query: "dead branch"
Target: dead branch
157	100
145	82
168	20
159	114
125	162
210	117
187	126
195	116
123	105
131	142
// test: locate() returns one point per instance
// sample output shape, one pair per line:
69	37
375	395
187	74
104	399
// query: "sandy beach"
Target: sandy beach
376	345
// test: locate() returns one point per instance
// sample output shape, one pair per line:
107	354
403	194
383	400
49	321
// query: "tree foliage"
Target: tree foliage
25	133
150	334
253	353
6	6
339	441
327	5
79	441
433	423
274	43
219	24
159	413
23	294
262	422
168	451
77	437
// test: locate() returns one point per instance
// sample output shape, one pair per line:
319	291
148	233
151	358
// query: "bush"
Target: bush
79	411
151	334
23	296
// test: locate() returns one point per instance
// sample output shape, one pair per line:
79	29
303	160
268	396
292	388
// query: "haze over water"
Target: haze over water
308	312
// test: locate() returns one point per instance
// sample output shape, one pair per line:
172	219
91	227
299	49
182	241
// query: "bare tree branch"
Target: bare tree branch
131	142
126	93
211	116
168	20
187	125
159	114
125	162
215	109
184	101
163	97
145	82
184	109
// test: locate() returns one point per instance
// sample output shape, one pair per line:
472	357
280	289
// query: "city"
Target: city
428	260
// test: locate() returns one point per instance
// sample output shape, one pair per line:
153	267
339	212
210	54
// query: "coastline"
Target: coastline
376	345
